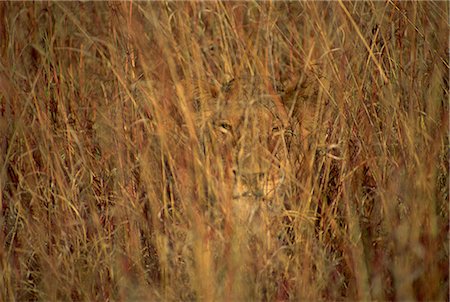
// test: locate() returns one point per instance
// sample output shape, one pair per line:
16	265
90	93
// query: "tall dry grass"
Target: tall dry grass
107	192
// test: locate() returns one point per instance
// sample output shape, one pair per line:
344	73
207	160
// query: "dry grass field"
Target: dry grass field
224	151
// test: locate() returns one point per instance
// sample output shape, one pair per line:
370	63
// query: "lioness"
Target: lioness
243	128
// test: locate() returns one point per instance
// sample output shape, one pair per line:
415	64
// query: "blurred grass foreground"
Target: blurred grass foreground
224	151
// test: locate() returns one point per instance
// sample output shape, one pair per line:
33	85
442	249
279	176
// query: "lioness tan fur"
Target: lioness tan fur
244	130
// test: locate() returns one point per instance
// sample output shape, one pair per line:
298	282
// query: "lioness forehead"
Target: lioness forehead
244	115
243	107
240	101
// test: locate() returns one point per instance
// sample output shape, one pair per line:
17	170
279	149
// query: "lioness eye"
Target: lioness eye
275	129
289	132
225	127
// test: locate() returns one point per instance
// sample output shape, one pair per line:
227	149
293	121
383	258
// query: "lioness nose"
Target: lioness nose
249	184
251	169
254	183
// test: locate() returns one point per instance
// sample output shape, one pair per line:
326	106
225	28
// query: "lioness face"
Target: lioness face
247	135
247	132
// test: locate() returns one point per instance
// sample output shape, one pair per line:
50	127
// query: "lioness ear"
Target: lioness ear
228	86
289	91
299	92
213	90
202	94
